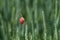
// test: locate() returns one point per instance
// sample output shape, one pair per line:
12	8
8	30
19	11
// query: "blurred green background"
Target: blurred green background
42	19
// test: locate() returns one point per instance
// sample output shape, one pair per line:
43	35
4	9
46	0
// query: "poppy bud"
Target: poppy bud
21	20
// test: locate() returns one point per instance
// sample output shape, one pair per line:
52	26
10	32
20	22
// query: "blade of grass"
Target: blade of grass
56	22
26	32
29	18
35	17
44	25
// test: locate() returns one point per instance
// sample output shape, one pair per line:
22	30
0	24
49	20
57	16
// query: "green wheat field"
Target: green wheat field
42	19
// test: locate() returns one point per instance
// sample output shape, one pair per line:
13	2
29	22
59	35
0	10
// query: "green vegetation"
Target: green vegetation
42	19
